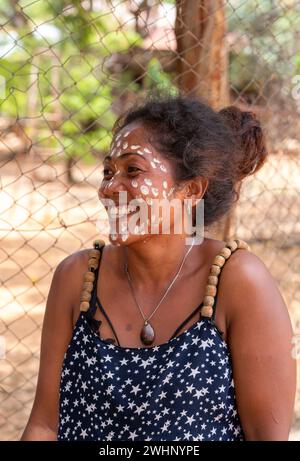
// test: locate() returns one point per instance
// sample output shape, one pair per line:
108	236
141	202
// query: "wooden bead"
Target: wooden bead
219	261
93	260
232	245
215	270
242	244
213	280
208	300
210	290
206	311
94	254
225	253
98	243
87	286
85	296
92	264
84	306
89	276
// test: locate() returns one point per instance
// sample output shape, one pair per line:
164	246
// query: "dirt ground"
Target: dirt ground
43	220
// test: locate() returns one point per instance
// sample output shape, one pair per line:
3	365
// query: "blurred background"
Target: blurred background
68	69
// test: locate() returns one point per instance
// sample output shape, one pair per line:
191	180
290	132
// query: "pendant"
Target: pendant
147	334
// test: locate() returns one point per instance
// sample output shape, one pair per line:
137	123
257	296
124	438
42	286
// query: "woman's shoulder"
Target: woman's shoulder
248	287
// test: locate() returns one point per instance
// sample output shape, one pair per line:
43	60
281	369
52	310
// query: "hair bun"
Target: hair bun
247	128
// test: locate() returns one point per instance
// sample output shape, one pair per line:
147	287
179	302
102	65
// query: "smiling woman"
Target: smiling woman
149	337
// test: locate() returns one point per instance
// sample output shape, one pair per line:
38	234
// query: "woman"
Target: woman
154	364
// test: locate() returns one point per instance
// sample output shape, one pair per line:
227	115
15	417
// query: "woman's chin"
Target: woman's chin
125	239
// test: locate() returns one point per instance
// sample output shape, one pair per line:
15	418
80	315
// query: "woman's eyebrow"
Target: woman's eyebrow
126	154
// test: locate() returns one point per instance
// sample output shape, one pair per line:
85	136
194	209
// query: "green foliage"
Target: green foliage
157	79
265	35
73	57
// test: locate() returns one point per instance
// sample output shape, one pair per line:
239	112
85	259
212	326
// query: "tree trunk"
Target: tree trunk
202	64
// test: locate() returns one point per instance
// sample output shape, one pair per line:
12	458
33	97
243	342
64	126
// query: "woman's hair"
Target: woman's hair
223	147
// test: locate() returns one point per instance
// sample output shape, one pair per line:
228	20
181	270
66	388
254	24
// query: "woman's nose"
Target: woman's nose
110	187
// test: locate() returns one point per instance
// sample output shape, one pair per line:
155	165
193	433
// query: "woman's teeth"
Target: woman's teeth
122	210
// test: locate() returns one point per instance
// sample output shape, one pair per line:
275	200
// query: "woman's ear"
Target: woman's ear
196	189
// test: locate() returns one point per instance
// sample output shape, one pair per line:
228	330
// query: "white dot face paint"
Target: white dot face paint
135	147
126	134
125	145
109	184
148	151
171	191
156	160
164	194
134	183
148	181
149	200
163	168
154	191
140	152
144	190
165	184
152	164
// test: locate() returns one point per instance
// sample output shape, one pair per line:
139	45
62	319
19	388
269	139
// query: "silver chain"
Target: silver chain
166	292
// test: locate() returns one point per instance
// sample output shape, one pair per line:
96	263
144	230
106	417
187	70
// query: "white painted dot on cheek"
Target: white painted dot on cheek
148	181
125	145
144	190
134	183
165	184
156	160
148	151
164	194
154	191
152	164
149	200
135	147
171	191
127	133
163	168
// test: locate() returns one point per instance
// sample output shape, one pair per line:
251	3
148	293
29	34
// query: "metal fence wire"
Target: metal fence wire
68	69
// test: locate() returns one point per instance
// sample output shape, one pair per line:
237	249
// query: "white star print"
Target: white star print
131	392
135	389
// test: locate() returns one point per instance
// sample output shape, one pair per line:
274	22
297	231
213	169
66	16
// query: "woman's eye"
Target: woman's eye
106	171
133	169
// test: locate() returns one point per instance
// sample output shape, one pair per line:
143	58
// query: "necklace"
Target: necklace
147	334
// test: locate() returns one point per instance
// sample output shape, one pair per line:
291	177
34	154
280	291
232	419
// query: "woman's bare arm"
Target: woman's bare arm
259	335
56	334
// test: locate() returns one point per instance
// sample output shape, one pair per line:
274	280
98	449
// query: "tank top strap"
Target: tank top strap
89	298
211	291
90	278
210	299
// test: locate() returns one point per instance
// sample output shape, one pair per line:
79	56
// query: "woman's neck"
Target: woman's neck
153	261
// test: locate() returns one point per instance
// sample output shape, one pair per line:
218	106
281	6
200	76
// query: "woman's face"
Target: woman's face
136	168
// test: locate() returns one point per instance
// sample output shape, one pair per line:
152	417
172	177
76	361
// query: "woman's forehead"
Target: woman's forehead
132	133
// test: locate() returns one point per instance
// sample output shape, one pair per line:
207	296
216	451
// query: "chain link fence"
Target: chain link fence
67	70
